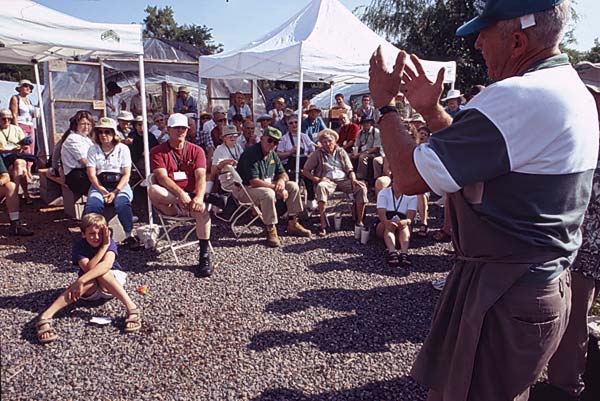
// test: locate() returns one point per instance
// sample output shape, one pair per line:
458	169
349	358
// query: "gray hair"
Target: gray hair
550	25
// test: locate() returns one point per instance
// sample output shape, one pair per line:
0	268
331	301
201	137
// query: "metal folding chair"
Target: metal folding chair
170	223
137	178
230	180
338	201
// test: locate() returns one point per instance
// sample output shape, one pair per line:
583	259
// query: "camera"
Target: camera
216	200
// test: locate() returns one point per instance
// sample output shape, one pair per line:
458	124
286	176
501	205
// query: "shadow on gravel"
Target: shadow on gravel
373	318
400	389
374	262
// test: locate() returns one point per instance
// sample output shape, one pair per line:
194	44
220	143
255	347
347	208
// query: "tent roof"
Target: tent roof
325	39
31	31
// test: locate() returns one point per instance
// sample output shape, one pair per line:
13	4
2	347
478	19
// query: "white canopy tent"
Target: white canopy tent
31	33
322	42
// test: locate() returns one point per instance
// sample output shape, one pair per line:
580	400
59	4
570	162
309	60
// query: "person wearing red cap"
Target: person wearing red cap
518	175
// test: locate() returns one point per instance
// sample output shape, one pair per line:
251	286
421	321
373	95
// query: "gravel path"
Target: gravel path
320	319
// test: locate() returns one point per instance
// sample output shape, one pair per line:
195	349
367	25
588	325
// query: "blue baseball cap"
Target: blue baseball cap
492	11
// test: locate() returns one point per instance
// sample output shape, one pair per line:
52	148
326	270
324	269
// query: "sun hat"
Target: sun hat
230	130
218	109
125	116
24	82
138	119
272	132
184	89
492	11
177	120
112	85
589	74
312	107
367	120
106	122
452	94
6	113
329	132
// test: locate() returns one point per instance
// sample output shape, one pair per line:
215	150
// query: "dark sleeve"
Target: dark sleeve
77	252
3	169
279	169
472	149
243	166
112	247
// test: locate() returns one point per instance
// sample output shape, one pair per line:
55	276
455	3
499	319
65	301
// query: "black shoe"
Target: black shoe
17	230
204	268
216	200
547	392
131	243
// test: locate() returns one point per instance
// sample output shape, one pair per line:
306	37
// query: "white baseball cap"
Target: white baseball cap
177	120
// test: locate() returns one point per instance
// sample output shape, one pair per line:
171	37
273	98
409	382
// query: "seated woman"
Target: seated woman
396	212
136	145
74	150
159	129
330	169
227	153
286	150
108	169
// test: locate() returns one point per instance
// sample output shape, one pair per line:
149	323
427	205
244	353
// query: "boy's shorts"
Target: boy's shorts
121	277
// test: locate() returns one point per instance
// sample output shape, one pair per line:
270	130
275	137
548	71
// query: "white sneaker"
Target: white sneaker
312	205
438	285
135	219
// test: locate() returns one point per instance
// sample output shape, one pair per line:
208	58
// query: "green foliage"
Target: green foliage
16	72
160	24
593	55
427	28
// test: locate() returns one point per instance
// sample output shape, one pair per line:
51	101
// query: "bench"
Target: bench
50	188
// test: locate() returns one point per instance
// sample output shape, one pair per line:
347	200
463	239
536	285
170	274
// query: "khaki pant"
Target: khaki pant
362	169
567	365
265	199
324	189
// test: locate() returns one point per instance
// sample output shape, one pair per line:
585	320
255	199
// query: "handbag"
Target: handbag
109	179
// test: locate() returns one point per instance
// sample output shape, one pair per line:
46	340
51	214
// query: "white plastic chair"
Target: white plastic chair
230	181
170	223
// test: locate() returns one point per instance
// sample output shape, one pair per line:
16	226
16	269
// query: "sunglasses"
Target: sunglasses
292	122
273	141
160	120
6	118
222	120
105	132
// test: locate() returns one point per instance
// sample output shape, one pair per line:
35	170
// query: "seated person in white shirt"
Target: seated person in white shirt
159	129
227	153
395	211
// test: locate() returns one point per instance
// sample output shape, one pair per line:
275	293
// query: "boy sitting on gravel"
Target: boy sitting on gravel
95	254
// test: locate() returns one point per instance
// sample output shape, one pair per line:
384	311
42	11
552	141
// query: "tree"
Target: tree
160	24
593	55
427	28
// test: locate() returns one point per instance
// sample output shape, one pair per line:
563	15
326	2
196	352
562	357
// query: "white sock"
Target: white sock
13	216
128	234
209	186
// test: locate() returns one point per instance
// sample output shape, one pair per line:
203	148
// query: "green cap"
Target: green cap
273	132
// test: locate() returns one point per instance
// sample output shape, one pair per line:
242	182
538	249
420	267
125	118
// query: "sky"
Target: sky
237	22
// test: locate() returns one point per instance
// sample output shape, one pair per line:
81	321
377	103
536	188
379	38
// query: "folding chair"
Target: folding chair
170	223
137	178
339	201
230	181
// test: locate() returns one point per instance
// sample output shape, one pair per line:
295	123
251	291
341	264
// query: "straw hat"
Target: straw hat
24	82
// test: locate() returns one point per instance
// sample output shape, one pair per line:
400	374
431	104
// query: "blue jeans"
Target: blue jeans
122	203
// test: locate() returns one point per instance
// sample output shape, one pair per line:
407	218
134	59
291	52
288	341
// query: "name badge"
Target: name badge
268	180
179	176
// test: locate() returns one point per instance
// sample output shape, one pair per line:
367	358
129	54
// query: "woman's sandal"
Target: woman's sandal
48	329
322	231
405	260
440	236
422	232
392	259
133	316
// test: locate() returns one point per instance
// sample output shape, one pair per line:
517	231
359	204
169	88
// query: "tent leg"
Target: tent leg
254	95
145	117
42	114
299	125
330	100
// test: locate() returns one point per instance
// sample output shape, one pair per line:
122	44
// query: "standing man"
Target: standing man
313	124
266	181
518	174
180	170
185	103
135	104
239	106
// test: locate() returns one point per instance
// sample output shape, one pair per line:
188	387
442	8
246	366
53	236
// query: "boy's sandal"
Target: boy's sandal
440	236
405	260
321	231
392	259
133	316
48	329
422	232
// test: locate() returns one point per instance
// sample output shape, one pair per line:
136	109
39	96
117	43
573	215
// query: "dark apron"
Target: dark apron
489	262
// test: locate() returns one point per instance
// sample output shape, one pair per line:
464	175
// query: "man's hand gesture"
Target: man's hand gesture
422	94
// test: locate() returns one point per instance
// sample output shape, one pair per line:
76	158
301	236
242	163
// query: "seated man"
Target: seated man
329	168
248	137
265	179
13	145
180	171
369	150
348	133
8	190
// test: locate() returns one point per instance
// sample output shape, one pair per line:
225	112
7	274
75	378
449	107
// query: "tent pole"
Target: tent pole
299	125
145	126
330	101
42	114
254	95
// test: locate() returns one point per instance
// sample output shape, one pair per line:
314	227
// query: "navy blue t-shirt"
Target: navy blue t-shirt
83	250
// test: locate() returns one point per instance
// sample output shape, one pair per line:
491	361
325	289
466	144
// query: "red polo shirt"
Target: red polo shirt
348	132
193	158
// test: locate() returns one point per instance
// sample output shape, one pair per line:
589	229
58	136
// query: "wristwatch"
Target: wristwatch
387	109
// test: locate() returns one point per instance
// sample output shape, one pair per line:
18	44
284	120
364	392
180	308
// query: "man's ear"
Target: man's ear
520	43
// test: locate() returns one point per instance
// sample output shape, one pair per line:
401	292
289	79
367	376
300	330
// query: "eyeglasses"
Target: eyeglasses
292	122
105	132
159	120
273	141
249	128
222	120
6	118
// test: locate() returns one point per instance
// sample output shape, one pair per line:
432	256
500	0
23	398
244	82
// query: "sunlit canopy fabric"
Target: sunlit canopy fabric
324	40
30	31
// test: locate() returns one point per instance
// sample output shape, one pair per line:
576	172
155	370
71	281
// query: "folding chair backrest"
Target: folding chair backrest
230	179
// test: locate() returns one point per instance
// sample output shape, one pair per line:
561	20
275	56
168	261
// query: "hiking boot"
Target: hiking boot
295	228
205	268
17	230
272	237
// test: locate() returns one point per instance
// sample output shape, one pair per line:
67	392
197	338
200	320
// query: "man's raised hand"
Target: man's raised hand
422	94
383	84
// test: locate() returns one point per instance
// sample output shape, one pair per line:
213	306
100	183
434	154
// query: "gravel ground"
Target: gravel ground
320	319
